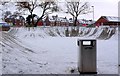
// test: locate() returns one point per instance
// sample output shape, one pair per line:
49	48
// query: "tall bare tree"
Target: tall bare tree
46	6
77	8
3	7
6	14
28	5
5	10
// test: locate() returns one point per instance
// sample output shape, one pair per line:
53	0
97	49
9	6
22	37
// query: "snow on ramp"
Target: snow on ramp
98	33
17	59
14	54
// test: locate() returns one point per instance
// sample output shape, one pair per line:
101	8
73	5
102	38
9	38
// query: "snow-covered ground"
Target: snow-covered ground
47	50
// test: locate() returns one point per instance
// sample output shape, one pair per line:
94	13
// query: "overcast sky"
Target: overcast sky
105	8
101	8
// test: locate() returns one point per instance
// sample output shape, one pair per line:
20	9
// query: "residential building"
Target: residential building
108	20
56	21
15	20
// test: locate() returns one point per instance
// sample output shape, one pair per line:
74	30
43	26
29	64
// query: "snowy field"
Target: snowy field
47	50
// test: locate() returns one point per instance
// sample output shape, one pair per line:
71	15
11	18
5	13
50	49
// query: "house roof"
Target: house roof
56	18
20	18
62	19
112	18
51	19
70	21
15	17
84	21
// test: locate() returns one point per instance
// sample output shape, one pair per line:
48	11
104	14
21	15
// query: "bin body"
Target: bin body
87	56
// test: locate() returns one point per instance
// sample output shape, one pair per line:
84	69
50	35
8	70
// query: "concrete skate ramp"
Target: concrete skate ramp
98	33
15	54
95	30
87	31
106	33
13	31
11	41
111	33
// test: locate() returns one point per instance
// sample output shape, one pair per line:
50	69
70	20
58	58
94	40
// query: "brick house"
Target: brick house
56	21
63	21
15	20
40	23
71	22
84	22
107	20
49	21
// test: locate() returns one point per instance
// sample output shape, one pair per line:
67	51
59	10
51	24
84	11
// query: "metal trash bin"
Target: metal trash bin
87	56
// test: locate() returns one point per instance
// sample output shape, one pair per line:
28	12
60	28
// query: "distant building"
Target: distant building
84	22
15	20
108	20
63	21
56	21
71	22
40	23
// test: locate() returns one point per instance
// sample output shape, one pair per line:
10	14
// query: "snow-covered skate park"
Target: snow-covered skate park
54	50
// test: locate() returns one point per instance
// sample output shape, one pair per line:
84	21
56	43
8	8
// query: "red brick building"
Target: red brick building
56	21
15	20
40	23
107	20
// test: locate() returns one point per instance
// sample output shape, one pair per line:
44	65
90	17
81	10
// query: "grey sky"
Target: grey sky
106	8
101	8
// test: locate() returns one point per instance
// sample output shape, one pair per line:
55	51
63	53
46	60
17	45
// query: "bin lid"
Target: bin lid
86	39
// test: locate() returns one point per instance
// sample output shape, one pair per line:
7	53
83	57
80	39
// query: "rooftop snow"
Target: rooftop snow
114	19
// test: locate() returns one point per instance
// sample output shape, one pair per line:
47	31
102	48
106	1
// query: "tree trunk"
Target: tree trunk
41	16
38	21
75	21
32	19
55	22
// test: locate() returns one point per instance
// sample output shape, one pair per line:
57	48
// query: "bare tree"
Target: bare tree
46	6
28	5
3	5
77	8
3	8
6	14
